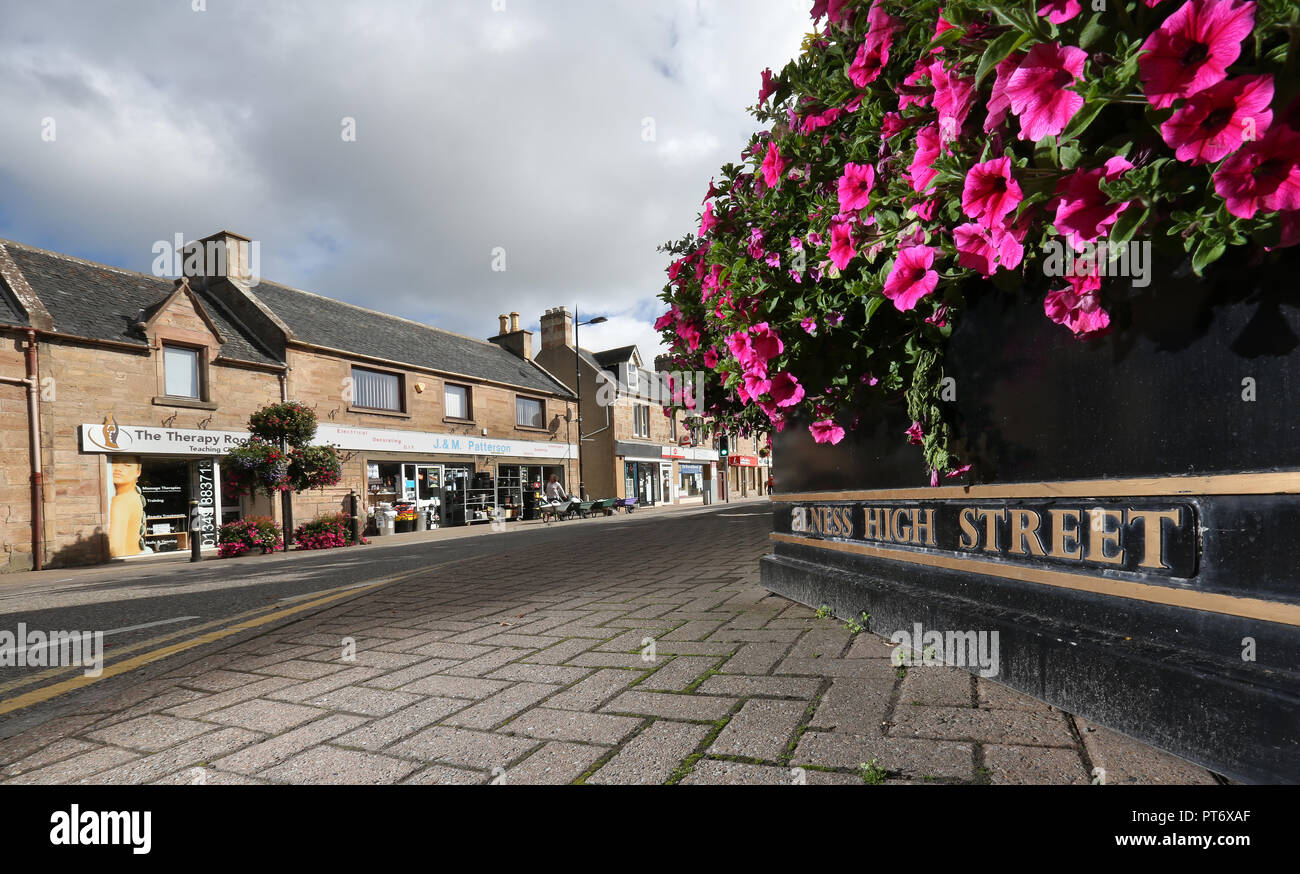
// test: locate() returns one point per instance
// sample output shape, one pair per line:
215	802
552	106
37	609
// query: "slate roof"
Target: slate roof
323	321
10	312
104	303
615	356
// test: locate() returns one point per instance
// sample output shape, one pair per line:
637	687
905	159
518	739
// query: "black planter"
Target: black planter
1182	421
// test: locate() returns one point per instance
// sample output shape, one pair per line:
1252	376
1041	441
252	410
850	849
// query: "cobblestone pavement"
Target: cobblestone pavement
532	667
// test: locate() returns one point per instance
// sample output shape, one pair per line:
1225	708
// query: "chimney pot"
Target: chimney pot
502	317
514	321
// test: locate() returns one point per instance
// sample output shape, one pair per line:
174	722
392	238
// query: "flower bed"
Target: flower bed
915	152
326	532
245	535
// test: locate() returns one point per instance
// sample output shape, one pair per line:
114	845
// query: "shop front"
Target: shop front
692	482
437	480
150	477
745	480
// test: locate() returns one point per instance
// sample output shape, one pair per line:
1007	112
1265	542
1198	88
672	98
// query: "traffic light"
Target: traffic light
723	446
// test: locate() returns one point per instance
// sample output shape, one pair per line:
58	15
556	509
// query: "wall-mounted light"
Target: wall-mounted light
419	388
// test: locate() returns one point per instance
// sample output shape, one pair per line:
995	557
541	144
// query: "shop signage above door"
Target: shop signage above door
140	440
381	439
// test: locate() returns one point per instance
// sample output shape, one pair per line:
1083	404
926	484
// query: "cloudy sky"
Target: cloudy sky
575	135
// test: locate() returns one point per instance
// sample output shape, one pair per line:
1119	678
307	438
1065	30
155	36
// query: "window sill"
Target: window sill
531	429
187	403
367	411
451	421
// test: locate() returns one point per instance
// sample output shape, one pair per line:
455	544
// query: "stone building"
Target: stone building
630	447
134	385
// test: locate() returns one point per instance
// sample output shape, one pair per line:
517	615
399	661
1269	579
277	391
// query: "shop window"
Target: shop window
457	401
377	390
181	376
641	420
529	413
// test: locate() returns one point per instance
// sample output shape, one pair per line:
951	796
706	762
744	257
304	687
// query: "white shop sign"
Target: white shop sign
690	453
139	440
377	439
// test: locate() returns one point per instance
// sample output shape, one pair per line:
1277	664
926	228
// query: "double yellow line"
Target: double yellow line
45	693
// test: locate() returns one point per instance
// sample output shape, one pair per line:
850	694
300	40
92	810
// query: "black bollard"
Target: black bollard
354	510
196	533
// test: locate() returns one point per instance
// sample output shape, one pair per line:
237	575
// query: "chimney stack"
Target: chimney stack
223	254
514	340
557	329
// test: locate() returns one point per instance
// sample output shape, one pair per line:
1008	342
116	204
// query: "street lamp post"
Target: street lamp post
577	372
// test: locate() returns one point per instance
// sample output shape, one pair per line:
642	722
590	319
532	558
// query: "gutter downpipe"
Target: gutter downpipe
34	431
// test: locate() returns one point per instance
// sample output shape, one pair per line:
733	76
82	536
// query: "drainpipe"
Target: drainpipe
34	426
286	497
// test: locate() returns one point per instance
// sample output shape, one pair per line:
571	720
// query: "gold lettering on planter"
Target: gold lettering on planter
1142	539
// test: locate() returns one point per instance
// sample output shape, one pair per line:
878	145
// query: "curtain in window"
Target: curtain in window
456	399
378	391
181	372
528	412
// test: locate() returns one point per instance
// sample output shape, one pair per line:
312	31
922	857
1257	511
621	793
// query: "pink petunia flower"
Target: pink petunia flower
1078	307
826	431
1193	48
987	250
666	319
1262	175
842	250
1215	122
855	186
990	192
1039	89
707	220
740	347
765	342
999	102
786	390
768	87
690	334
754	385
710	358
892	125
1083	211
873	54
915	434
920	170
912	92
911	277
810	325
1059	11
953	98
773	165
